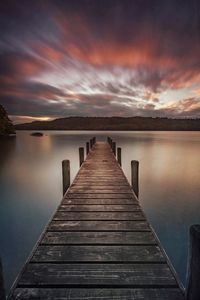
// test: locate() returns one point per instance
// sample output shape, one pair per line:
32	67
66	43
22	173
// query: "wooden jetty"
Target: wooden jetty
99	244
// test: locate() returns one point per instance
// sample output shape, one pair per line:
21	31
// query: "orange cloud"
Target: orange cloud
110	53
27	67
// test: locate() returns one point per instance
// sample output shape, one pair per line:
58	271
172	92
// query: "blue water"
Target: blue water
31	187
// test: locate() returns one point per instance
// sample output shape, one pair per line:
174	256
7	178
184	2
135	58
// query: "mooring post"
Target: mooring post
81	155
193	273
2	289
135	176
111	143
91	143
119	156
66	175
114	148
87	148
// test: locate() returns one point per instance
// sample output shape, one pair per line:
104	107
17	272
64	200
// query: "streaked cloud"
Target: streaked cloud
97	58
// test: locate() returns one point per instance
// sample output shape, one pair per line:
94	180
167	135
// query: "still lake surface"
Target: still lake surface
31	187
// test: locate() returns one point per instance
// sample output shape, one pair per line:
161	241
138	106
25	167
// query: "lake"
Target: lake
31	187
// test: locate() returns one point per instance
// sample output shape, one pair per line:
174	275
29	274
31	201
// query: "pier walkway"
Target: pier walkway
99	244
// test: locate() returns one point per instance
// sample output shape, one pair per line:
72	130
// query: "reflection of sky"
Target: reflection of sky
99	58
31	186
31	189
169	185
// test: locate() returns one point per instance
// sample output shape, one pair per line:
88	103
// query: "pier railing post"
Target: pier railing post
87	148
135	176
65	175
119	156
81	155
114	148
193	275
91	143
2	289
110	142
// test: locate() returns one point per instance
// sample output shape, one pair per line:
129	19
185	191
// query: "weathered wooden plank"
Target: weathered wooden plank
98	226
99	181
97	184
97	173
100	208
99	167
104	174
87	190
102	275
94	201
97	294
99	216
100	176
81	253
100	189
100	173
100	195
86	237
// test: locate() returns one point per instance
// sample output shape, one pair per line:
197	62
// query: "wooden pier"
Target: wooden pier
99	244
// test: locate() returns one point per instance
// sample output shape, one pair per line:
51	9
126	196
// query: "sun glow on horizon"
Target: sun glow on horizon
28	119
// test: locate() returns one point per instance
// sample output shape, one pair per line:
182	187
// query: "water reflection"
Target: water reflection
31	186
7	149
169	185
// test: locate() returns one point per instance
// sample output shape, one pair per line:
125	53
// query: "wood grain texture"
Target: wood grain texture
99	225
103	195
87	237
100	208
148	275
101	201
98	254
97	294
99	216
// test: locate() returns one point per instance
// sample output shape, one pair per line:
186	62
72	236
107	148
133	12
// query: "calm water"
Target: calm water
31	187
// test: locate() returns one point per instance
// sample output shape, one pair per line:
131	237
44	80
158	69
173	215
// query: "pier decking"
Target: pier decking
98	244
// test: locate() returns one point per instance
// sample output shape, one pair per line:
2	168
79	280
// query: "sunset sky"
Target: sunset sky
99	58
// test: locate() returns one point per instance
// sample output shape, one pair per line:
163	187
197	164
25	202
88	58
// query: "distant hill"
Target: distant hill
112	123
6	126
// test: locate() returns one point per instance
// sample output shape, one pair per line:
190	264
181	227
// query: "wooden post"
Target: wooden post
66	175
114	148
111	143
108	139
193	273
135	176
94	138
87	148
91	143
2	288
119	156
81	155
